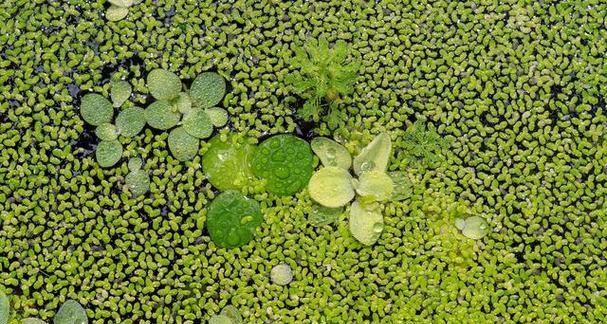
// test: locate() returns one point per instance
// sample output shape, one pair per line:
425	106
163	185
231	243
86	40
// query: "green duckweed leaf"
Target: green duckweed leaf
281	274
331	187
183	103
115	13
322	215
135	163
137	182
96	109
121	91
233	313
106	132
160	115
366	224
474	227
131	121
403	187
198	124
232	219
208	89
375	186
108	153
5	308
71	312
375	156
219	116
228	157
183	145
163	84
331	153
286	162
32	320
122	3
220	319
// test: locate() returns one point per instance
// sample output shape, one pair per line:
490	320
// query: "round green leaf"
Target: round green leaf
71	313
366	224
219	116
121	91
32	320
208	89
331	187
137	182
115	13
131	121
106	132
198	124
228	157
5	308
475	227
220	319
233	313
160	115
108	153
281	274
135	164
286	162
331	153
163	84
232	219
96	109
183	103
375	156
322	215
375	186
122	3
183	145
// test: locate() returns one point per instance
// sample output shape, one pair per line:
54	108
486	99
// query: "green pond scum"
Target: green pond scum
122	120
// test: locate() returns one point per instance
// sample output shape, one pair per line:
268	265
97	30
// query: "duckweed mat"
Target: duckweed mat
513	90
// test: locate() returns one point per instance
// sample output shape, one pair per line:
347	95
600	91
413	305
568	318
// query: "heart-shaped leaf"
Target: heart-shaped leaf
131	121
71	312
198	124
219	116
331	153
163	84
183	145
474	227
160	115
96	110
108	153
106	132
115	13
232	219
375	156
135	164
121	91
331	187
5	308
137	182
228	157
366	224
208	89
375	186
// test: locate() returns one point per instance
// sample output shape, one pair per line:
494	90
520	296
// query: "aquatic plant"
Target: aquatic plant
473	227
228	156
71	312
228	315
281	274
232	219
5	308
422	144
137	182
119	9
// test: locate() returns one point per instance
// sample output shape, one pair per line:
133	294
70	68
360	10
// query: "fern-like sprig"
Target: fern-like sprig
422	143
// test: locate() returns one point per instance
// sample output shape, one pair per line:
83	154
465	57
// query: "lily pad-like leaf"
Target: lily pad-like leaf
220	319
106	132
375	156
403	187
285	161
375	186
160	115
108	153
137	182
96	109
331	187
122	3
322	215
208	89
219	116
5	308
163	84
135	164
366	224
115	13
183	103
183	145
198	124
131	121
228	158
281	274
331	153
71	312
233	313
474	227
32	320
232	219
121	91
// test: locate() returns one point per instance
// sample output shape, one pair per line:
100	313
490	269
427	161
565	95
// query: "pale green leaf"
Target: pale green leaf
331	153
375	156
331	187
366	224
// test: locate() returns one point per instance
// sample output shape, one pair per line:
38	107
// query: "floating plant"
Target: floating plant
281	274
422	144
321	215
232	219
228	156
473	227
119	9
366	223
232	313
183	145
5	308
71	312
331	153
137	181
331	187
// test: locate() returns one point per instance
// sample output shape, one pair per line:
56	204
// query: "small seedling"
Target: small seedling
473	227
232	219
137	181
422	144
71	312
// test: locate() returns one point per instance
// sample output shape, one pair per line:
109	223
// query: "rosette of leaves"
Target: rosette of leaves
190	115
119	9
232	219
422	144
325	76
285	162
333	186
137	182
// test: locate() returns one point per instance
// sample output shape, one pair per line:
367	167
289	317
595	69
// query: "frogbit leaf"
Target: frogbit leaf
233	313
160	115
375	186
366	224
135	164
71	312
322	215
106	132
121	91
115	13
474	227
331	153
218	116
131	121
183	145
108	153
96	109
137	182
331	187
122	3
208	89
5	308
228	157
198	124
163	84
375	156
232	219
281	274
